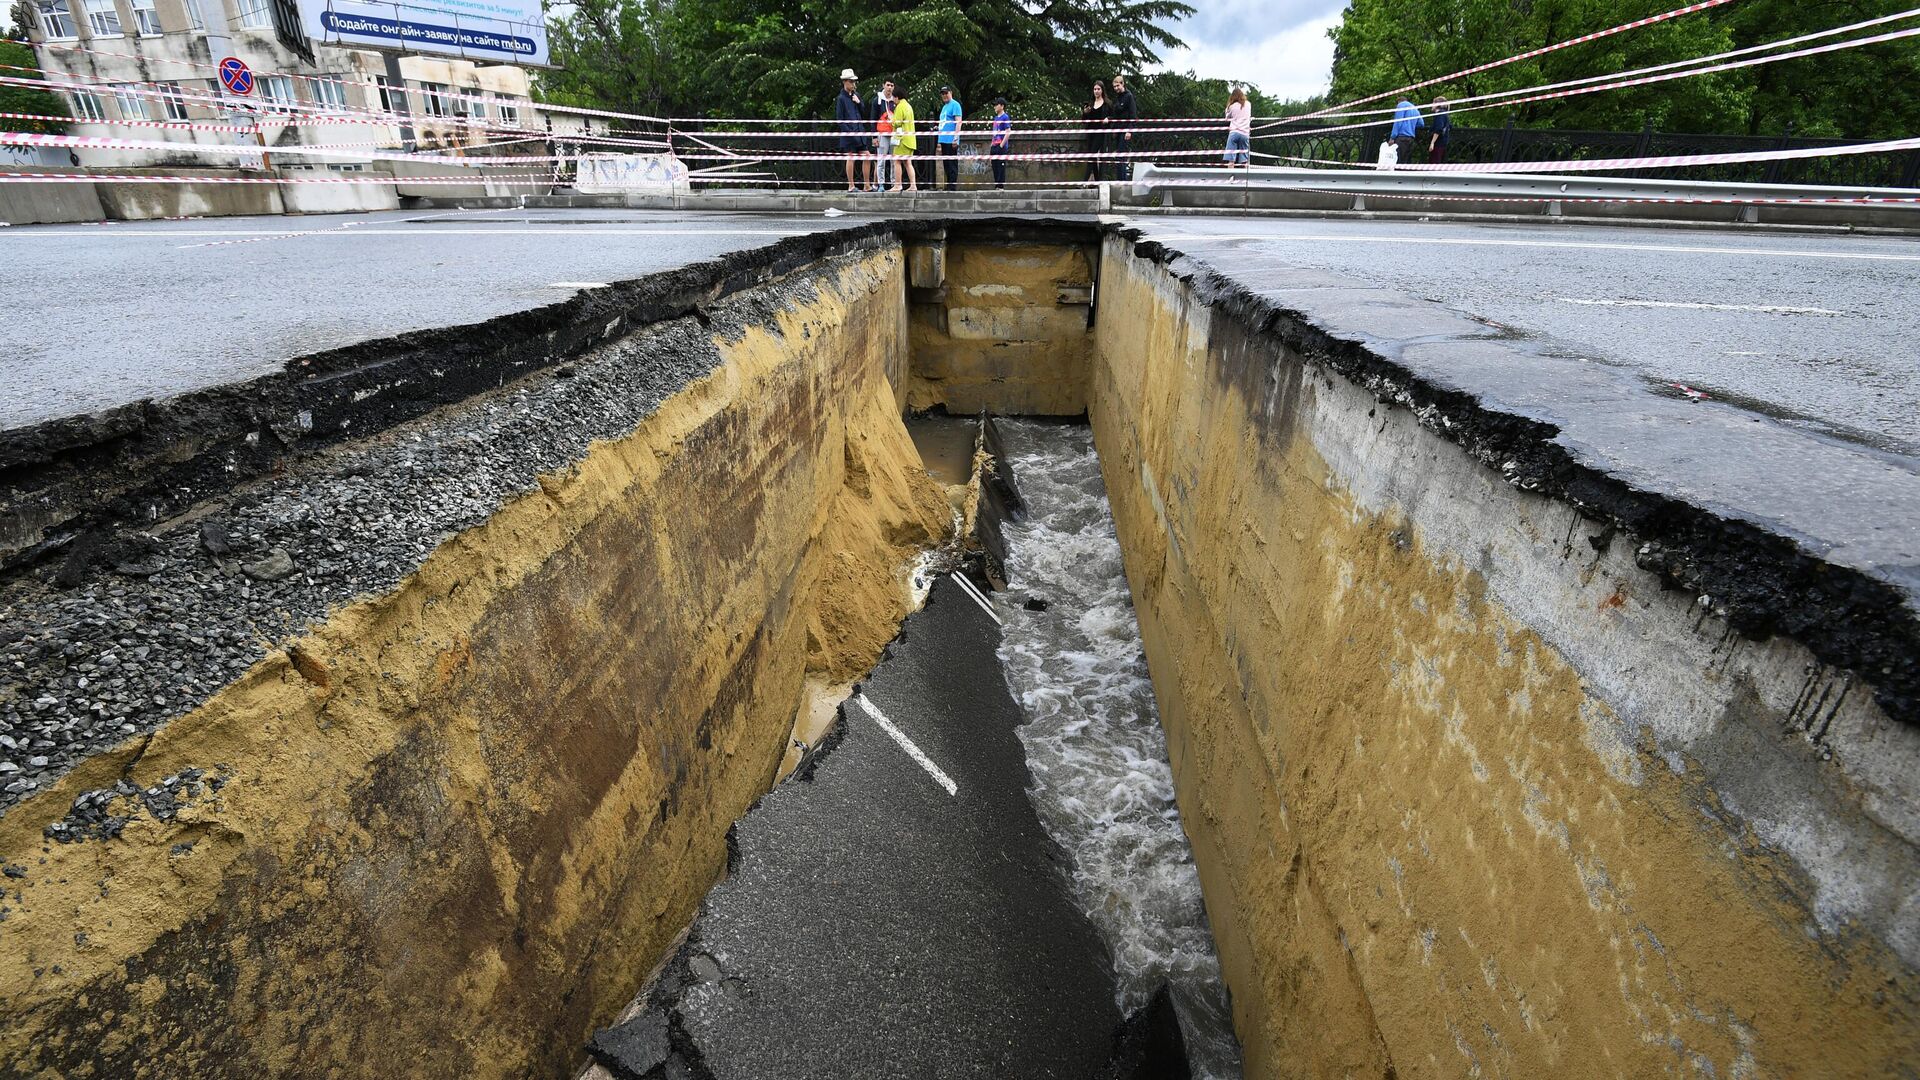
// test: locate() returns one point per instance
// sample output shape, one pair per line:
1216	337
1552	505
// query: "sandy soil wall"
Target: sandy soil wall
455	823
1471	793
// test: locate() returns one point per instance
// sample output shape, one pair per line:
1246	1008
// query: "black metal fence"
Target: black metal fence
770	160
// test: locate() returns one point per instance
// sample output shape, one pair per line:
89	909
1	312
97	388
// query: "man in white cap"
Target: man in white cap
852	117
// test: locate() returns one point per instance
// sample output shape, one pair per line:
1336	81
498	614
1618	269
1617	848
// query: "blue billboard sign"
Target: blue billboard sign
484	31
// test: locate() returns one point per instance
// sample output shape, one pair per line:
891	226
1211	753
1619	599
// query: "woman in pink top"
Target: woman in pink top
1239	129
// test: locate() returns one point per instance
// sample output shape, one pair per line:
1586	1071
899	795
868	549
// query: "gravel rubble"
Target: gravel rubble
147	627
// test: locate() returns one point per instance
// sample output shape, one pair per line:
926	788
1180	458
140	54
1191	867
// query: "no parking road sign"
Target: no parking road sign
236	76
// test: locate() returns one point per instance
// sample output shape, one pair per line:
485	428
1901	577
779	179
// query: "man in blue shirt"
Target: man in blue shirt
1406	121
949	143
1002	139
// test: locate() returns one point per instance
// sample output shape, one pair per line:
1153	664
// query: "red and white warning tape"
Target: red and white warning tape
1530	54
1501	95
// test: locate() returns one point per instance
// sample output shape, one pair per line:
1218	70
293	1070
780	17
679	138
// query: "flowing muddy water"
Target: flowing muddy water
1101	781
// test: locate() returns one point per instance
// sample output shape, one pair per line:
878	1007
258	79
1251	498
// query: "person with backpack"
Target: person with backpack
883	125
905	142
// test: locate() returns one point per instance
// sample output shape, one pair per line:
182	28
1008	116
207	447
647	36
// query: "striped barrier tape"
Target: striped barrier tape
21	138
546	181
1455	103
1583	39
1618	84
27	138
449	95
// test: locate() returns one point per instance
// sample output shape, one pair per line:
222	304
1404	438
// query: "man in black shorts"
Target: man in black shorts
852	122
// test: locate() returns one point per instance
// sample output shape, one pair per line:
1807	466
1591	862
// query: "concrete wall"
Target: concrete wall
1001	325
40	204
1471	793
461	818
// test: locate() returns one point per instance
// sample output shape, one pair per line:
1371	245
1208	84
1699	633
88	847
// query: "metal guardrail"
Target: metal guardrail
1493	187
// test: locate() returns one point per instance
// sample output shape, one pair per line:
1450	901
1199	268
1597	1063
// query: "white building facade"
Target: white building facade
141	70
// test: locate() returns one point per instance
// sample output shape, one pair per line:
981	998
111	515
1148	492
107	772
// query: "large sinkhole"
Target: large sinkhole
976	856
998	650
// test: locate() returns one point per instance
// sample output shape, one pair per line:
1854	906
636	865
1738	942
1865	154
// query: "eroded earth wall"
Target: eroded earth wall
1471	792
443	830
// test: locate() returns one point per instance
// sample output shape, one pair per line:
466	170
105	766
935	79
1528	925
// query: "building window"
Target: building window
392	98
103	18
132	106
276	93
56	20
254	14
171	102
194	21
509	114
87	107
329	91
431	100
478	106
145	20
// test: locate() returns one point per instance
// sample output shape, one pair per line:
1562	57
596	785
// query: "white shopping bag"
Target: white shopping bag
1389	156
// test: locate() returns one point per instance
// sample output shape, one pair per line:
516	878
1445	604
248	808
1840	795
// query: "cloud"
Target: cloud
1281	47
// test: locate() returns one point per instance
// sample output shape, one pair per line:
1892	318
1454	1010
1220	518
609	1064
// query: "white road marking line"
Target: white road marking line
973	591
1763	309
1570	244
576	285
906	744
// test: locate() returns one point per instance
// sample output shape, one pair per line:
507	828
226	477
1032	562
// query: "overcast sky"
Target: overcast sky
1281	46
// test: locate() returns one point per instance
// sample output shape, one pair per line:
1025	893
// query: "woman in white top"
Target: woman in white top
1239	129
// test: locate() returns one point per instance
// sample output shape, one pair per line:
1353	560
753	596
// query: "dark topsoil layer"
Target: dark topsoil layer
278	497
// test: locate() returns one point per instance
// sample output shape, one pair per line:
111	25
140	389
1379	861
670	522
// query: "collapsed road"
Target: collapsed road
899	908
388	714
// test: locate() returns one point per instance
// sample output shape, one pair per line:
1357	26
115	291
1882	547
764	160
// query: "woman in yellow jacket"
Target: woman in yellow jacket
904	142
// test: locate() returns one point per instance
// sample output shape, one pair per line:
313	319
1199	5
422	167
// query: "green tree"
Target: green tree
614	54
1866	93
757	58
24	99
1184	94
1384	44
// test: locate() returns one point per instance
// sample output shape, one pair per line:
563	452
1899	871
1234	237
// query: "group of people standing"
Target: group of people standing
879	139
1117	108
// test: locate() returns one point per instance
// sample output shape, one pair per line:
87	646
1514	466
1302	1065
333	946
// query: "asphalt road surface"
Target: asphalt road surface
1820	331
1816	330
900	910
107	314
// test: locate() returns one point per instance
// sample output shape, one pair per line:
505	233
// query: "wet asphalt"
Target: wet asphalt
1816	331
875	926
1812	330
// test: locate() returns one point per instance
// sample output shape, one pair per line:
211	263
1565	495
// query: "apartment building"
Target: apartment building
147	63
